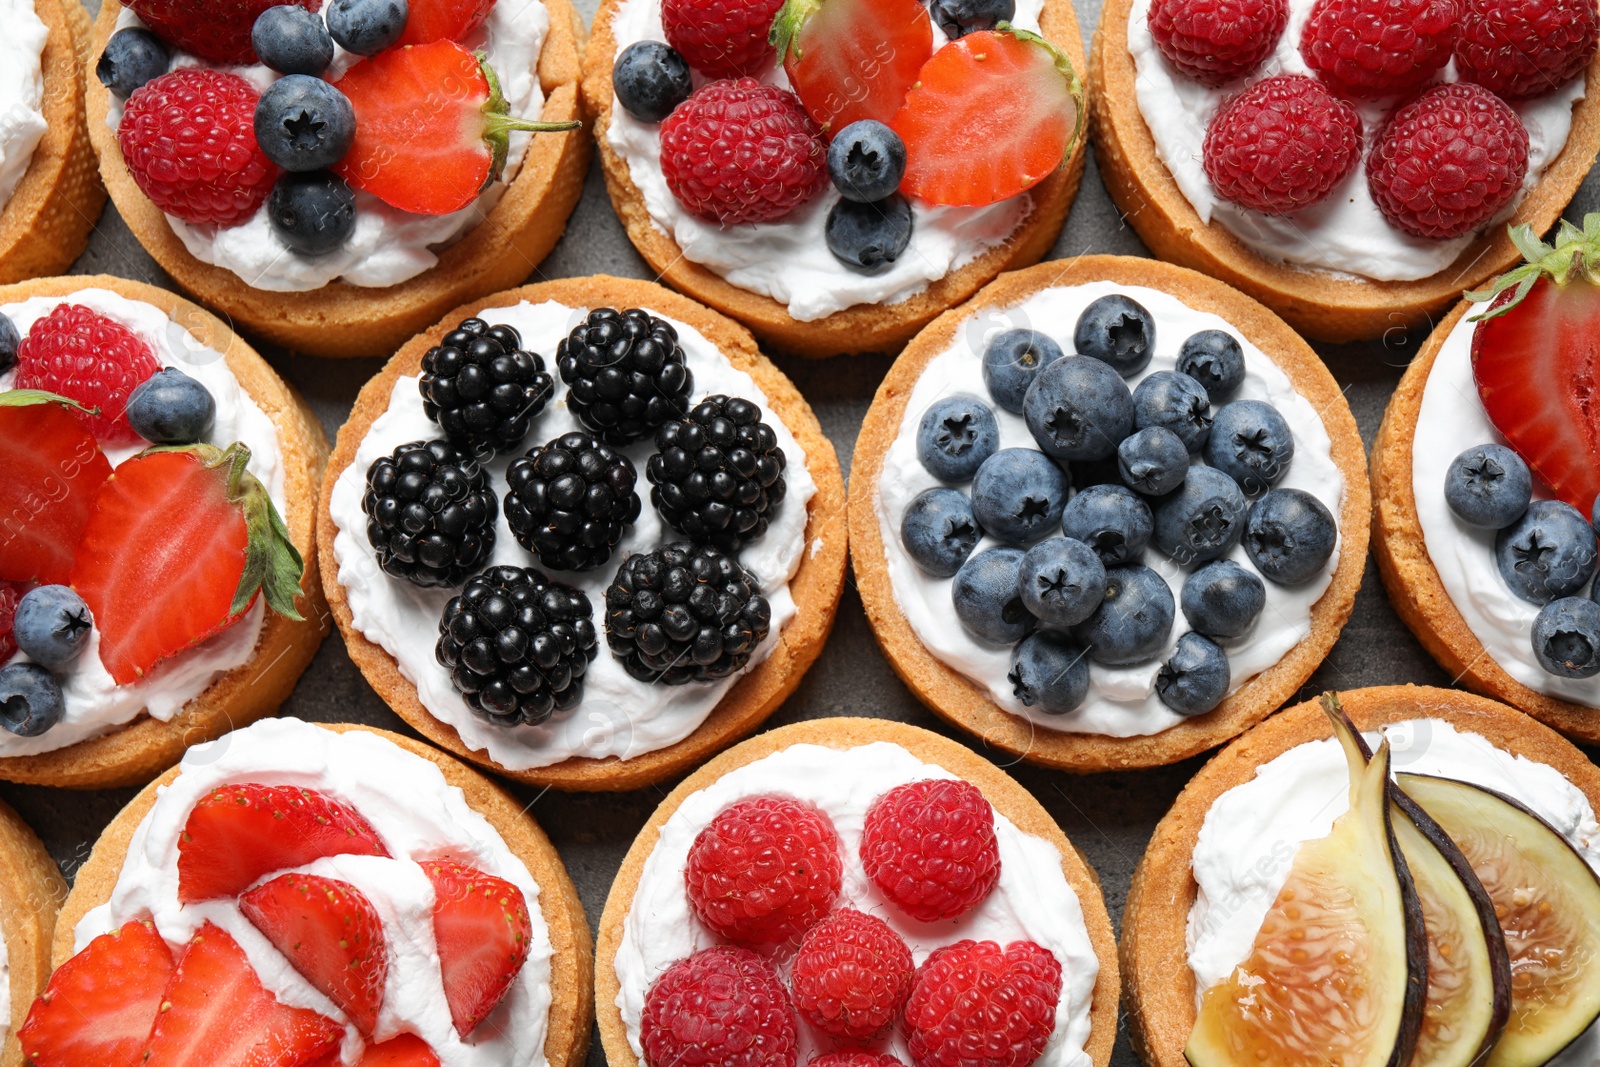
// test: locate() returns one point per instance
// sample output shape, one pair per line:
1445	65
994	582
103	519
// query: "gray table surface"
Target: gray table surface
1110	817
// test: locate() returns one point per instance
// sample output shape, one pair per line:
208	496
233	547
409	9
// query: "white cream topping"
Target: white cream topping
21	91
1122	701
1032	900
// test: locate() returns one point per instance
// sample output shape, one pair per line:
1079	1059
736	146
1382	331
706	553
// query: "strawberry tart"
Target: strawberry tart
583	533
886	157
317	896
854	893
1116	558
337	175
31	890
158	577
1349	163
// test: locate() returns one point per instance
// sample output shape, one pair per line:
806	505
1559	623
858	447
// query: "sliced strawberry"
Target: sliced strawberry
99	1006
852	59
443	20
407	1050
992	115
481	925
51	468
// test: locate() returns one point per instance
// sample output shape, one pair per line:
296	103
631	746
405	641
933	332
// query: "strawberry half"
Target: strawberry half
99	1006
481	925
443	20
992	115
407	1050
852	59
51	467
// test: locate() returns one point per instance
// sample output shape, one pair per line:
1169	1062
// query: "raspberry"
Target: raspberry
855	1058
974	1004
738	151
218	31
764	870
1371	48
1282	144
189	139
1448	161
1217	41
725	1007
10	594
721	38
1522	48
84	356
851	976
930	847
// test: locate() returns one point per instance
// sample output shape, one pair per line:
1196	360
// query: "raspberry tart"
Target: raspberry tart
319	895
158	579
911	904
583	533
31	886
1407	157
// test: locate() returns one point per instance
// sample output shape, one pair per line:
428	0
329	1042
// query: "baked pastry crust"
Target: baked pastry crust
1008	797
31	889
571	963
131	754
1320	304
952	696
815	586
1158	985
864	327
340	319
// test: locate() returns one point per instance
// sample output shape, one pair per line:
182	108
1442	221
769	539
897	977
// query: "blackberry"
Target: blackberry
517	645
430	513
482	388
717	473
684	612
570	500
625	374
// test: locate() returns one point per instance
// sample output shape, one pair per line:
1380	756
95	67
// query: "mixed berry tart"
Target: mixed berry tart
583	533
315	896
835	173
158	575
1349	163
1108	515
337	175
1422	887
32	890
854	893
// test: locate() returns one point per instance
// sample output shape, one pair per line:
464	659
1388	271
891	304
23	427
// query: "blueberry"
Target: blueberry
30	699
304	123
1111	520
1222	600
957	18
132	57
313	213
1018	495
1178	403
9	343
956	435
939	531
1011	362
51	625
868	237
986	597
1133	622
1251	443
171	408
1594	509
1196	678
1050	672
366	27
1290	535
866	161
1062	581
1488	486
650	79
1214	359
1547	554
1203	520
1153	461
1078	408
292	40
1566	637
1118	331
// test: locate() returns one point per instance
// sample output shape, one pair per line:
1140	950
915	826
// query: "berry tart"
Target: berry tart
337	177
31	890
158	575
1146	546
889	157
877	894
1418	128
583	533
1419	888
315	896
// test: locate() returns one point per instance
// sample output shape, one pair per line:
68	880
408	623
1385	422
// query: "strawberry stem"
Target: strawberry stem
1575	253
23	398
498	123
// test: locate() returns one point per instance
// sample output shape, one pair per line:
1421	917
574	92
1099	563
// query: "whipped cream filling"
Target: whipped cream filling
21	91
1345	233
1122	701
417	815
95	704
1032	900
618	715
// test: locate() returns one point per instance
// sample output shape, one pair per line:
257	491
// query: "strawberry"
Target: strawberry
992	114
180	542
100	1004
431	127
330	933
51	467
852	59
443	20
481	925
406	1050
